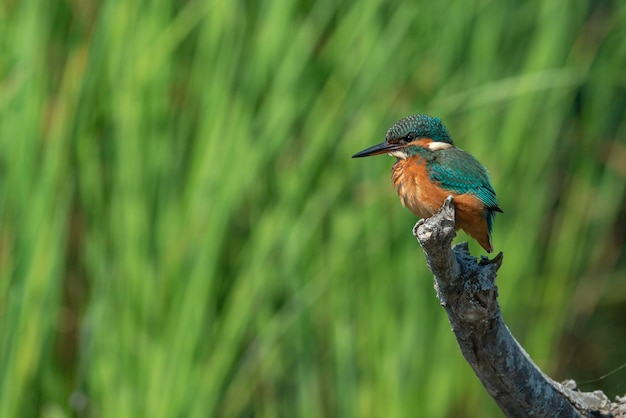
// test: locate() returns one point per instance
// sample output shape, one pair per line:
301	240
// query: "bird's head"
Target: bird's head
405	138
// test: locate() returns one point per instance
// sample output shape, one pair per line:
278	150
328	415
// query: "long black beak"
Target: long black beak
382	148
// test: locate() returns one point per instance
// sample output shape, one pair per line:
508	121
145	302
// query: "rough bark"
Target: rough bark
466	290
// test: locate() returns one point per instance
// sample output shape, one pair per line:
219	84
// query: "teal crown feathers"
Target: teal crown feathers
419	126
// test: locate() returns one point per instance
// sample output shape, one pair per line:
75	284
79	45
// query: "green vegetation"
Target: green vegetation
183	233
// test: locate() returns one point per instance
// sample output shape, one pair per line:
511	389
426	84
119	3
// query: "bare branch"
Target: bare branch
467	291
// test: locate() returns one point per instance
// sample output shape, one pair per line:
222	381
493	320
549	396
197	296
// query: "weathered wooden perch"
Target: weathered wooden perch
467	291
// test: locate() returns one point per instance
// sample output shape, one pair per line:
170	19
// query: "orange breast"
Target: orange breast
424	198
415	189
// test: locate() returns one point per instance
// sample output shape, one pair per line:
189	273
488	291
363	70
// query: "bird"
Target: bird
429	168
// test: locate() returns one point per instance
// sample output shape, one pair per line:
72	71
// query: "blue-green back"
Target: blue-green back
458	171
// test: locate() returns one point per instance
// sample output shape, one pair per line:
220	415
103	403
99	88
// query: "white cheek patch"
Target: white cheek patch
397	154
435	146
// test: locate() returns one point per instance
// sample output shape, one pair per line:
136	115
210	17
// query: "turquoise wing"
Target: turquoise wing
458	171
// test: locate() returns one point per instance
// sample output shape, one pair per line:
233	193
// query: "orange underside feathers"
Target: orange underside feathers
424	199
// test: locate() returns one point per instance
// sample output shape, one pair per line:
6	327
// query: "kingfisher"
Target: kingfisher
429	168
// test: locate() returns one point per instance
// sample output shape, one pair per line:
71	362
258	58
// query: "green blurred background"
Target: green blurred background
184	234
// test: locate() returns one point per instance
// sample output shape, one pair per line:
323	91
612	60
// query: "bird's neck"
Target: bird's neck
418	153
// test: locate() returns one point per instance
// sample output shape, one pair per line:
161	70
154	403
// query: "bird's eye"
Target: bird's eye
410	137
